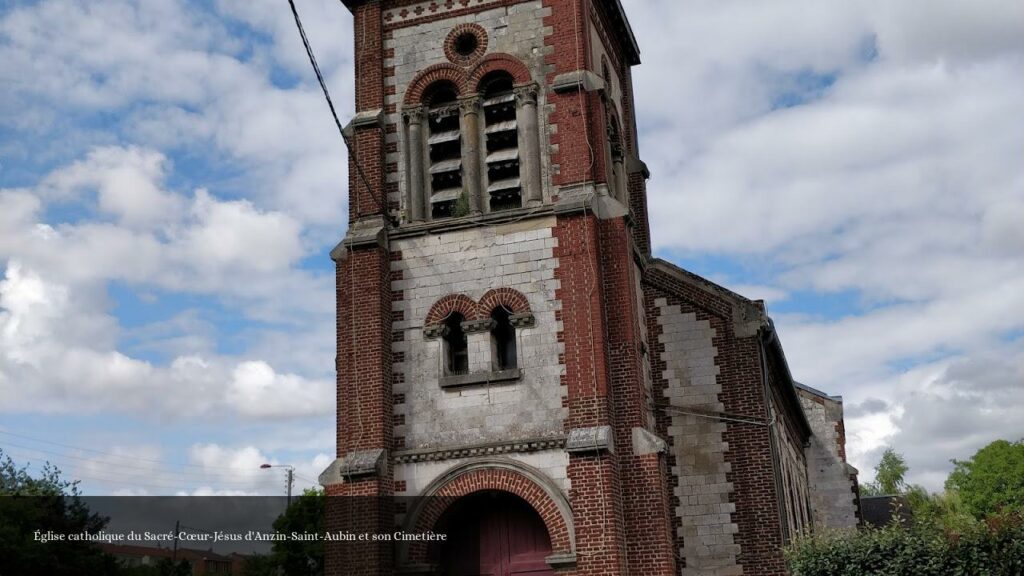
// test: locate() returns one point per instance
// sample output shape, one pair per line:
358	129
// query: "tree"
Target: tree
305	515
46	503
889	475
992	480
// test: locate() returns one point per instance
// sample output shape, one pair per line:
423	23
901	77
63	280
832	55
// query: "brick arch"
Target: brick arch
431	74
511	299
451	303
499	61
502	475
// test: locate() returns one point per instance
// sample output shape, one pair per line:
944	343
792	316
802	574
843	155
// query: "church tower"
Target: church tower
516	370
492	352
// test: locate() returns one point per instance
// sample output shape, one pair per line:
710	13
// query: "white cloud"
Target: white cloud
893	182
126	181
59	355
256	390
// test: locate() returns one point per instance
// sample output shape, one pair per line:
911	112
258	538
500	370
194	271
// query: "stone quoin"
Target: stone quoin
511	356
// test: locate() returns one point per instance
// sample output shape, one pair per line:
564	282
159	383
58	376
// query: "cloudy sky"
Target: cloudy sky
171	183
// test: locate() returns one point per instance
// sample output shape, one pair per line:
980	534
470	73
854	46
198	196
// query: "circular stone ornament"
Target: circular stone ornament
465	44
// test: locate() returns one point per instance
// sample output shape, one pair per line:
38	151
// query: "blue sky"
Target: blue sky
171	182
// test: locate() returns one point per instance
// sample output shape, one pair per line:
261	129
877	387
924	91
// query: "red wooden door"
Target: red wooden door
497	535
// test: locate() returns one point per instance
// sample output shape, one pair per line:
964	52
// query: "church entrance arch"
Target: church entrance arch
493	533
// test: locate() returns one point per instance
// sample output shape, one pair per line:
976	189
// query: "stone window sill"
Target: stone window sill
456	380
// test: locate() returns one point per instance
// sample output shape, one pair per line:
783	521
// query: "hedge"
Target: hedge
992	548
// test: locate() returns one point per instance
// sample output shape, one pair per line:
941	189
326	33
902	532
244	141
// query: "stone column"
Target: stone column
619	173
470	108
414	188
529	138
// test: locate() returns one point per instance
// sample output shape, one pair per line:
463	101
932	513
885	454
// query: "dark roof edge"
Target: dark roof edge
771	339
690	277
817	392
617	12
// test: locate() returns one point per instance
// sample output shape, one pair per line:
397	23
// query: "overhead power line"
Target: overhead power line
334	113
112	455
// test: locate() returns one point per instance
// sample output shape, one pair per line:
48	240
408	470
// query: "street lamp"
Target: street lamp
291	477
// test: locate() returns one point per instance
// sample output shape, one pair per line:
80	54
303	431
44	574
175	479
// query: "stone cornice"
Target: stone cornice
469	451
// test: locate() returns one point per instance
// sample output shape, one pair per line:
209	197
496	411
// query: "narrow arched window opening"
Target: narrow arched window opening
444	145
501	131
503	340
456	350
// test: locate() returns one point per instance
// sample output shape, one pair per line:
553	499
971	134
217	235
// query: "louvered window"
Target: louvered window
504	189
444	145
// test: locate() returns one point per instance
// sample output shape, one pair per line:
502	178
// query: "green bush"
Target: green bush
992	548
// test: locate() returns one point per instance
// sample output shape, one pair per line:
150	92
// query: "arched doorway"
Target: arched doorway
494	534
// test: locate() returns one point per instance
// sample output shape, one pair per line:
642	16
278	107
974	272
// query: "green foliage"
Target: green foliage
461	205
945	511
15	481
995	548
890	473
306	514
992	480
46	503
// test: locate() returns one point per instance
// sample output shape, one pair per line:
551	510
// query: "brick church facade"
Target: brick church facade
512	357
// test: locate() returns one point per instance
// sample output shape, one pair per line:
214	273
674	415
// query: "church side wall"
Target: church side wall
722	473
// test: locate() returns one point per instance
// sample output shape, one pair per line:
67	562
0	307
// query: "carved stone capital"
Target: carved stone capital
471	104
526	94
618	152
414	115
432	331
482	325
522	320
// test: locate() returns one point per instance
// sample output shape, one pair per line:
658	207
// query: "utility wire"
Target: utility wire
119	465
133	458
334	113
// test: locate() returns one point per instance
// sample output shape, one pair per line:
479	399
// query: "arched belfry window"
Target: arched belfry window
456	349
471	149
503	340
617	155
501	136
444	151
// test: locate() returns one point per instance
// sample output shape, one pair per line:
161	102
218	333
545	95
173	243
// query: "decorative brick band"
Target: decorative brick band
451	303
490	449
499	62
477	315
444	72
499	474
512	300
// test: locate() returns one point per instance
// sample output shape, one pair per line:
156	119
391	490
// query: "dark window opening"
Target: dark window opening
503	340
466	44
456	347
444	143
504	189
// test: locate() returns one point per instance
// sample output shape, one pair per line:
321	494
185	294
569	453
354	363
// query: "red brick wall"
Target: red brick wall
369	197
646	519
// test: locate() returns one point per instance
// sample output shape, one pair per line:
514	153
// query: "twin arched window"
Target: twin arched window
472	154
502	340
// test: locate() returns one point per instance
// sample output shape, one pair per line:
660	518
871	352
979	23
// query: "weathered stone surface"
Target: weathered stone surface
832	480
591	439
707	527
